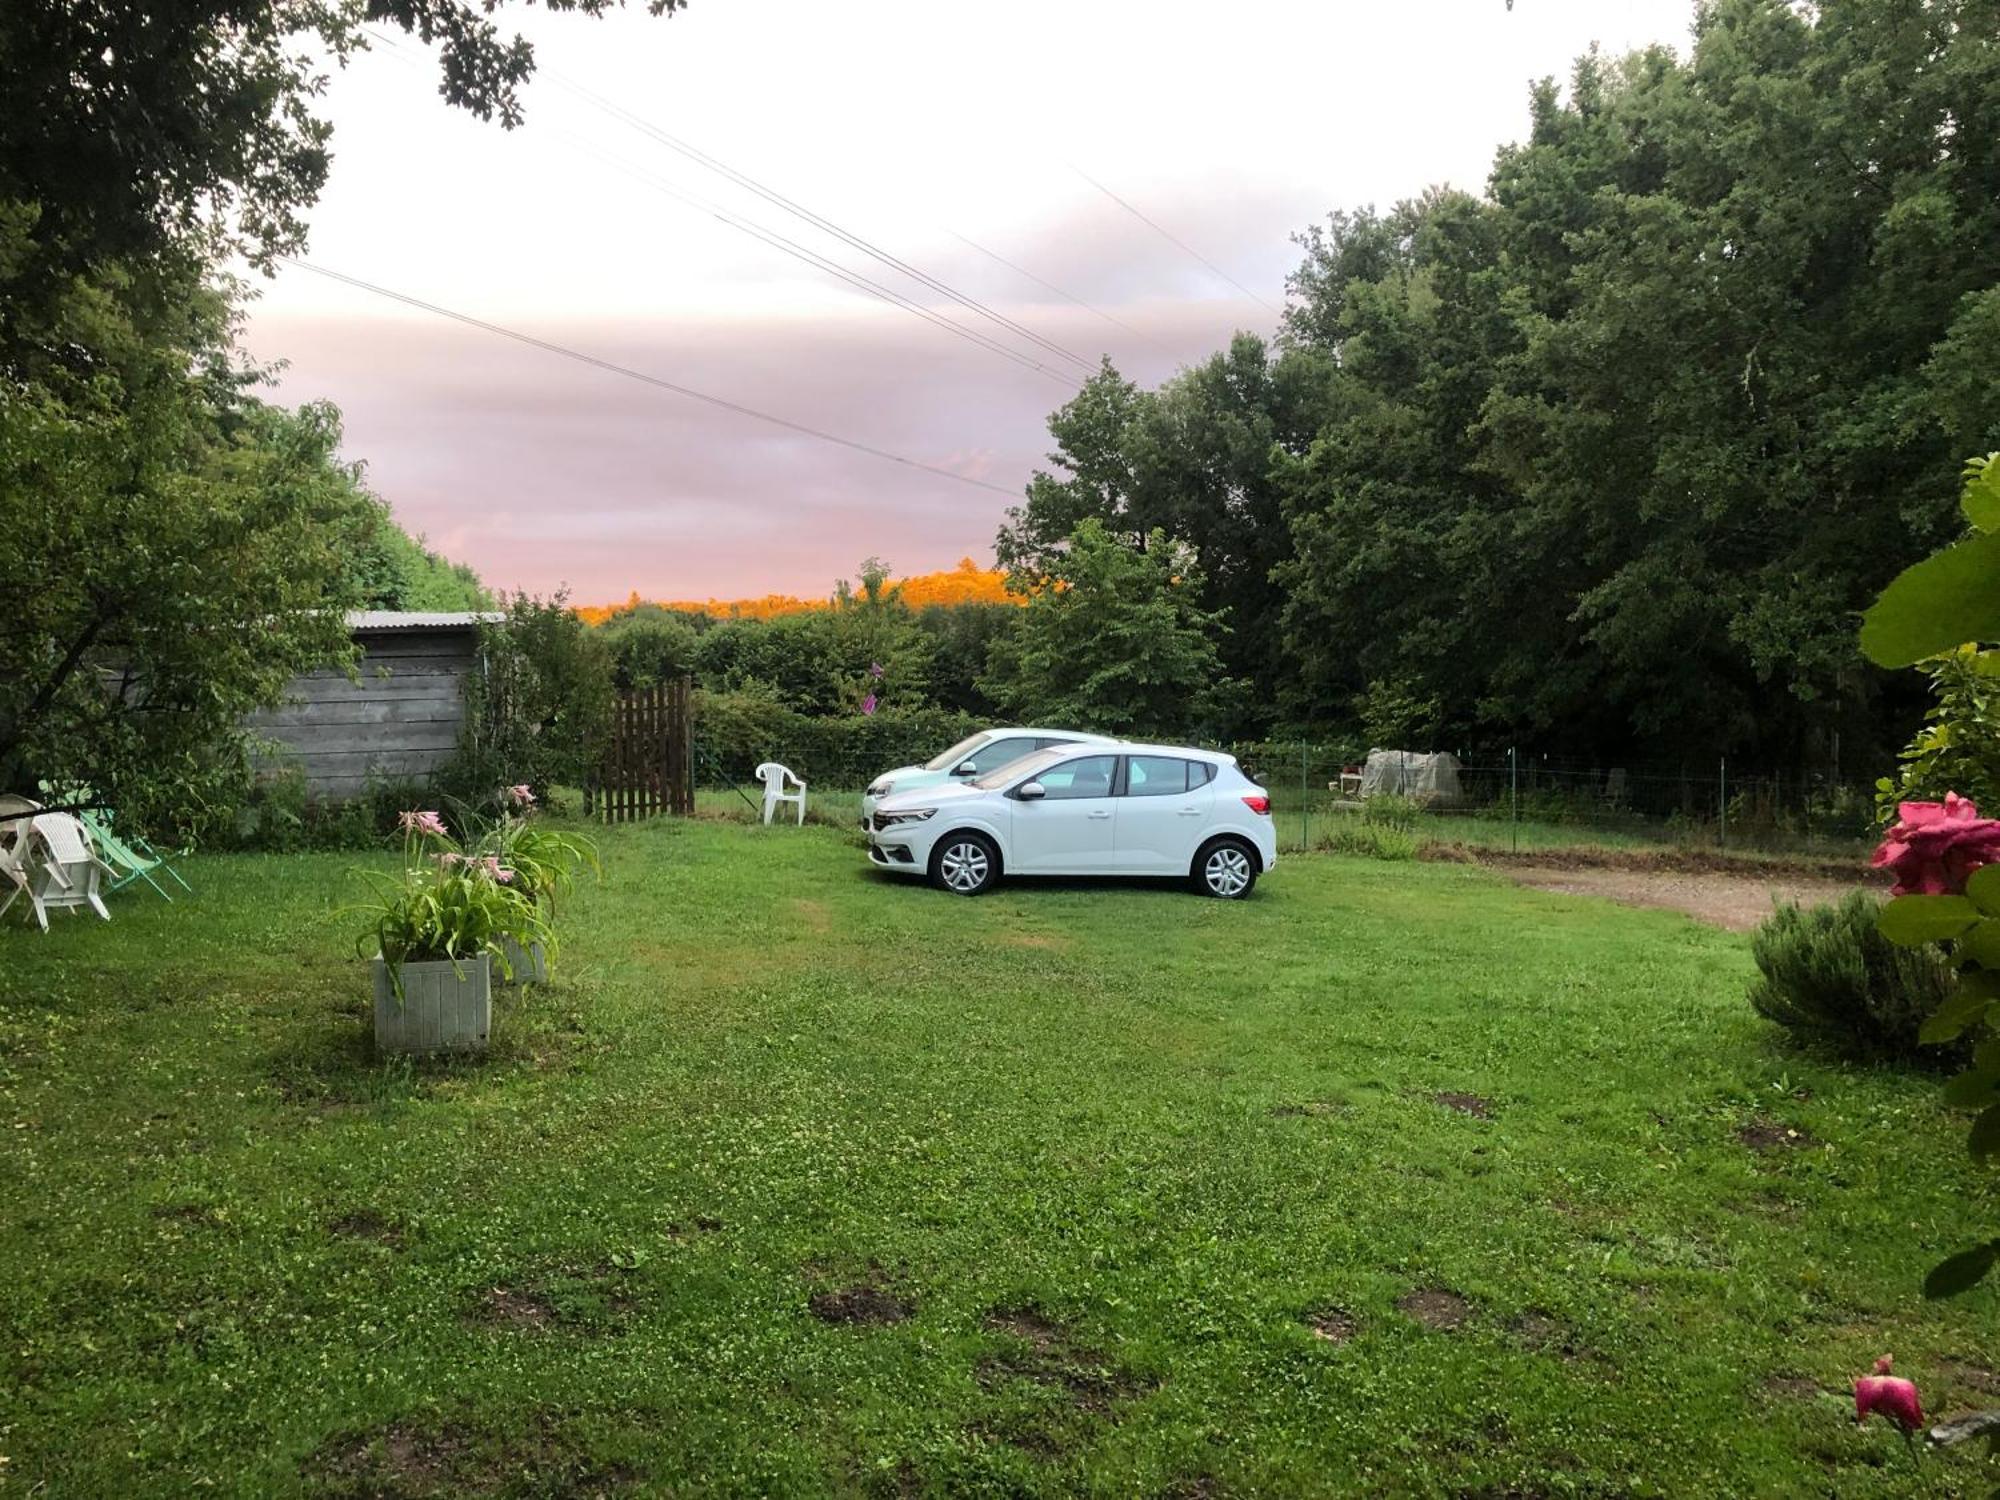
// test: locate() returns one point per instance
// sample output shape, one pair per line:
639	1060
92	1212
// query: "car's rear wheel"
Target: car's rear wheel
1225	869
965	864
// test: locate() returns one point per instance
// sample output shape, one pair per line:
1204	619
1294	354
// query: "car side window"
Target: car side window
1200	773
1156	776
1089	777
997	753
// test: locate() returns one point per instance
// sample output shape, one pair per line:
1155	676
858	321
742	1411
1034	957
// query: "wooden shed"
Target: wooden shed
399	721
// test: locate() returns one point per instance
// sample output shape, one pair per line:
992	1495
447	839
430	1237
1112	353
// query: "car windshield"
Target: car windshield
957	752
1026	768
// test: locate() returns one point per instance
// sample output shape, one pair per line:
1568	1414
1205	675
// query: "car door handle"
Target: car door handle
1104	813
1190	812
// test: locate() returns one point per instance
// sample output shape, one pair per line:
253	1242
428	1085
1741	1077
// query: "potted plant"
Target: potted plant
435	928
544	865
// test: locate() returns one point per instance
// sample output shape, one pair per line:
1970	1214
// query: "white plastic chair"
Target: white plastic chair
61	869
774	777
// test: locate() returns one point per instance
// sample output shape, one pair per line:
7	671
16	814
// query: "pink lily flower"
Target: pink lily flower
521	796
422	822
1891	1395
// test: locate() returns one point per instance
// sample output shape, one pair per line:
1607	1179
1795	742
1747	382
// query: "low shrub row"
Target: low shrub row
733	732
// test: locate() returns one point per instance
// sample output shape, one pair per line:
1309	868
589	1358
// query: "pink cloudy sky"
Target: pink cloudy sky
909	123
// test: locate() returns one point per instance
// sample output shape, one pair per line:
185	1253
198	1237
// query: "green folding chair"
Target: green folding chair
129	859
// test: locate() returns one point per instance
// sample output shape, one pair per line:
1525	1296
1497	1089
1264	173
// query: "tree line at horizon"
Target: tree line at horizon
1605	459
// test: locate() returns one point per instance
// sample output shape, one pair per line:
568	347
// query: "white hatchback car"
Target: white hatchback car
1158	810
988	750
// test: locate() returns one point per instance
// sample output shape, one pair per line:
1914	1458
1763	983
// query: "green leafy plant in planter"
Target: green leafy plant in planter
544	863
436	927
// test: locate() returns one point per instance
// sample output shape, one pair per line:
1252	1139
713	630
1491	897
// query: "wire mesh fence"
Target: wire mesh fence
1514	800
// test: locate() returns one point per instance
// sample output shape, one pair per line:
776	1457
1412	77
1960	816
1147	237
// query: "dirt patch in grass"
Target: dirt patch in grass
412	1461
1970	1375
1479	1107
186	1213
1773	1206
1735	898
699	1224
1544	1333
1334	1324
1047	942
814	914
869	1301
1764	1136
1435	1308
863	1304
516	1308
367	1224
1665	861
1050	1356
1791	1387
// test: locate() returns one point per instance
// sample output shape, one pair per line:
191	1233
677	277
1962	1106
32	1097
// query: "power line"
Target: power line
798	210
611	367
1051	286
1170	239
781	242
811	257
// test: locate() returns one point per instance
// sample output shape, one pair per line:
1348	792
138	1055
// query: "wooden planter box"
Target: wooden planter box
445	1007
529	965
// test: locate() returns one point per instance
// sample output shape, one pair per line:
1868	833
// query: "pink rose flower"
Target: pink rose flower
1892	1396
1933	847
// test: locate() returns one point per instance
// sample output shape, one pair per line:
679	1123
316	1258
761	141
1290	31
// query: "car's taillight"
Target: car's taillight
1260	805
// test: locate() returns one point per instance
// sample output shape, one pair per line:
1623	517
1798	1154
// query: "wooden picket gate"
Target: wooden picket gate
650	766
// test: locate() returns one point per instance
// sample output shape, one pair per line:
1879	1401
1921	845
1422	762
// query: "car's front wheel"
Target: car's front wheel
965	864
1225	869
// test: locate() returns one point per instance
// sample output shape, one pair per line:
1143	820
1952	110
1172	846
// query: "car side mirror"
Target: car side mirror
1030	791
965	768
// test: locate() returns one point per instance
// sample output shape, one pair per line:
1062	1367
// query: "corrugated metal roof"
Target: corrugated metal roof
362	621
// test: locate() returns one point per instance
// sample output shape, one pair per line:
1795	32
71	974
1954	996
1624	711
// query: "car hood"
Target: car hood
928	796
900	773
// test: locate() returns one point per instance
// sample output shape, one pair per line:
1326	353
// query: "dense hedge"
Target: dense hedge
735	731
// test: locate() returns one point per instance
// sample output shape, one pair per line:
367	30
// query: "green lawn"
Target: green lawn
1109	1148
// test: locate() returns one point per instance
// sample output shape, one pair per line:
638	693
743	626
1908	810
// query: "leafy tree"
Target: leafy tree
880	657
186	547
137	130
1194	459
1615	451
1113	637
961	639
649	644
541	710
402	573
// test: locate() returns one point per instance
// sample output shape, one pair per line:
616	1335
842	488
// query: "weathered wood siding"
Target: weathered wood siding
400	721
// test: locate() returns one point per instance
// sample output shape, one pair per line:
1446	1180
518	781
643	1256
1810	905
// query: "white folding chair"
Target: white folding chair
14	848
61	868
774	777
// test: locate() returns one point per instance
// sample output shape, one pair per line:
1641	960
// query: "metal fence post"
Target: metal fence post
1305	802
1514	795
1722	802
